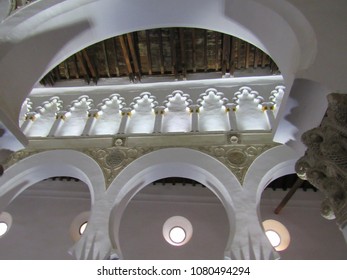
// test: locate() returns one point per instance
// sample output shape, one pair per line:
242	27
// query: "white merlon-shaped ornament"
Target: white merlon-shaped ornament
213	113
276	97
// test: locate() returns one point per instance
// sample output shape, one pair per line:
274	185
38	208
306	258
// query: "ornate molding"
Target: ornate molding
237	157
324	164
113	160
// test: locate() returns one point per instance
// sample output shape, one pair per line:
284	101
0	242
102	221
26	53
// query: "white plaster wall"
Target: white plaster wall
42	216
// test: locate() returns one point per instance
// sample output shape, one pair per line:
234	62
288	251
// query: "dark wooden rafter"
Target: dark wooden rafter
126	56
289	195
116	62
173	53
256	58
183	53
193	50
130	37
225	53
205	51
232	56
107	67
159	52
247	55
263	60
90	66
216	49
82	64
149	53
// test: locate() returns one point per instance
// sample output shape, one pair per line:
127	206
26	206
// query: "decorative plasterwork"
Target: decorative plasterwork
237	158
325	162
112	160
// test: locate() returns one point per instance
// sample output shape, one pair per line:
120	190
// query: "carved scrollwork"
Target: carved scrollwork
237	158
324	164
113	159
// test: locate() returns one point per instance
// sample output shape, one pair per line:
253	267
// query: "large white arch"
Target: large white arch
170	162
43	165
60	28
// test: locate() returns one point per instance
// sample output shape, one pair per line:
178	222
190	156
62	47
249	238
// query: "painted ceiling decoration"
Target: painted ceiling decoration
171	52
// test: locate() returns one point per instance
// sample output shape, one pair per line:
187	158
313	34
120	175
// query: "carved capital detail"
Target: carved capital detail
324	164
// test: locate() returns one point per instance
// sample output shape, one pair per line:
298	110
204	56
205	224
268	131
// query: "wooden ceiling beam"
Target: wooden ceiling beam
232	56
194	50
247	56
126	55
75	63
205	51
256	58
130	37
289	195
173	53
216	49
116	60
83	66
104	51
89	64
183	53
161	52
225	53
66	69
149	53
263	60
239	54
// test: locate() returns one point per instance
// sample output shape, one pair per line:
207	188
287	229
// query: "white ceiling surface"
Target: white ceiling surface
44	212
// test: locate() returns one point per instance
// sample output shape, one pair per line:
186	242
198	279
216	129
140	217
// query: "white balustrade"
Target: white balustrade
212	112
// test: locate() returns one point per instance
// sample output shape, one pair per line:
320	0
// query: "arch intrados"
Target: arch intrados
44	165
171	162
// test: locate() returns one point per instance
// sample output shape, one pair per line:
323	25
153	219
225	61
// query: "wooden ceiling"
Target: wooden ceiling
175	52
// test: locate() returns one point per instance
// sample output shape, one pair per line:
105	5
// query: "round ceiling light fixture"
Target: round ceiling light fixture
277	234
177	230
79	225
5	223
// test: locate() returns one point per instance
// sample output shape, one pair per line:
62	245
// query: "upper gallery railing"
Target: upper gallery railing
246	111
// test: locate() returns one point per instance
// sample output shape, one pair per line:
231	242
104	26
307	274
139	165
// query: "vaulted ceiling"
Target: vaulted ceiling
172	52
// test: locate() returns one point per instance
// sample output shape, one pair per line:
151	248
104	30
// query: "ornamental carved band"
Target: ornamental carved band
325	162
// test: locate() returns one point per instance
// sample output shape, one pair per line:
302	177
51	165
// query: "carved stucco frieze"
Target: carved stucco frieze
18	156
237	158
113	159
324	164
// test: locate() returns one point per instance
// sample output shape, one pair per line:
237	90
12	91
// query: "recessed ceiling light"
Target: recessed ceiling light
79	225
277	234
83	228
274	238
3	228
5	223
177	235
177	230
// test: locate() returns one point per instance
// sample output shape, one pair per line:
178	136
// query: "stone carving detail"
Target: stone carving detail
237	158
324	164
113	159
18	156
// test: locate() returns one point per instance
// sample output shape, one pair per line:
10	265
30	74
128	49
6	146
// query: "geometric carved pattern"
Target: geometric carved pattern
237	158
113	159
325	162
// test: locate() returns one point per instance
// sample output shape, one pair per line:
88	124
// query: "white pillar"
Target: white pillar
268	109
59	120
159	112
194	109
231	109
92	116
123	123
29	118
